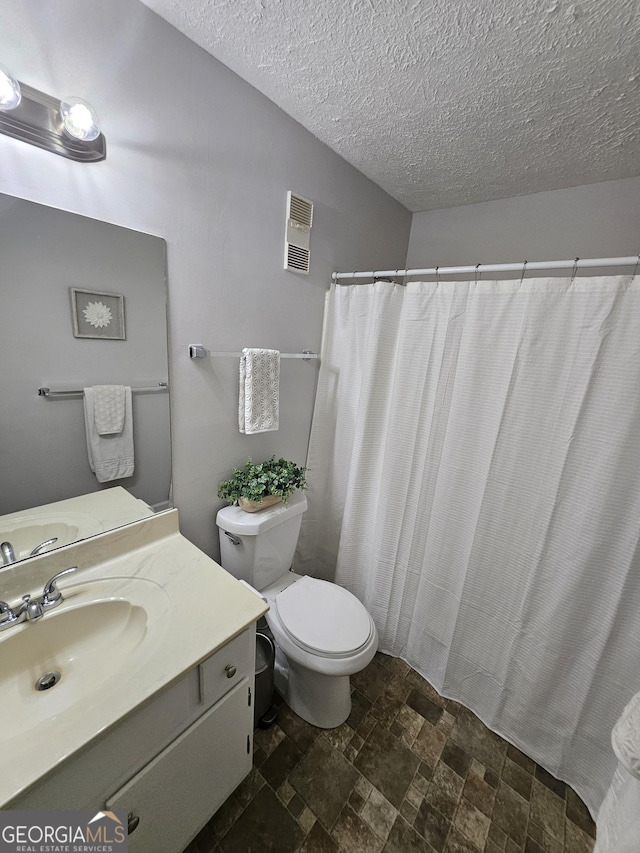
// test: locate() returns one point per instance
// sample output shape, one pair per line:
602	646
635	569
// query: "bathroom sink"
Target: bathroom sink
27	532
142	610
104	630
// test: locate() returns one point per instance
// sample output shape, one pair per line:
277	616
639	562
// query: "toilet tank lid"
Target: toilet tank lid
236	520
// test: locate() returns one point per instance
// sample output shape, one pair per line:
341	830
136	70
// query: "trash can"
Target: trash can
264	709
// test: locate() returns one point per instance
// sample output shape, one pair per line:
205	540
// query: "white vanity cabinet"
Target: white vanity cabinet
173	761
182	787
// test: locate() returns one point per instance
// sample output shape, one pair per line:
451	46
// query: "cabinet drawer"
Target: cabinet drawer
227	667
173	797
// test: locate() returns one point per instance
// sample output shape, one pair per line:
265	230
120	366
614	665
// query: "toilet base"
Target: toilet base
317	688
322	700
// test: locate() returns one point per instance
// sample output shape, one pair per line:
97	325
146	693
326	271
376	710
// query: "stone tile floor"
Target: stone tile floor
408	771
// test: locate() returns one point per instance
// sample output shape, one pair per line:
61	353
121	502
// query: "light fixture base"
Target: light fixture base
36	120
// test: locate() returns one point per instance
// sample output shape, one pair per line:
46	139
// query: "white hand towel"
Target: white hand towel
259	400
110	456
108	406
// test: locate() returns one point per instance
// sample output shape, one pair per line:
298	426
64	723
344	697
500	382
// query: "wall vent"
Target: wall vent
296	243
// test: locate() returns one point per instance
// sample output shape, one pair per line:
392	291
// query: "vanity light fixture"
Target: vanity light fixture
69	127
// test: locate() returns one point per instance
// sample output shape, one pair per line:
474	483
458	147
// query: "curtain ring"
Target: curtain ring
524	269
437	275
476	273
635	269
355	273
575	269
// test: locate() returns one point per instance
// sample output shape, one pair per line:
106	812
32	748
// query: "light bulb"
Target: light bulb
10	95
79	119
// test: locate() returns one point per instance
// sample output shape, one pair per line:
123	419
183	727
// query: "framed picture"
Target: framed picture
97	314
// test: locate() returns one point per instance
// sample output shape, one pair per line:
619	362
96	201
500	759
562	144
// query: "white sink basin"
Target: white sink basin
144	607
27	532
104	630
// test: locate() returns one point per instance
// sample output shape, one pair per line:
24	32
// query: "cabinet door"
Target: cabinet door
175	795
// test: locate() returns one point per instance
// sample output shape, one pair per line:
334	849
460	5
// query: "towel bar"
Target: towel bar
198	351
78	392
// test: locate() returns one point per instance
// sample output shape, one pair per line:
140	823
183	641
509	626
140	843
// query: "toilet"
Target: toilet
323	633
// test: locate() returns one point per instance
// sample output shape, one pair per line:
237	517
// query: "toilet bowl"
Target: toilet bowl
326	636
322	632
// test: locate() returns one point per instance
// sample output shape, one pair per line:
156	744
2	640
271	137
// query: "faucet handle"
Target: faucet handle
7	616
43	545
52	594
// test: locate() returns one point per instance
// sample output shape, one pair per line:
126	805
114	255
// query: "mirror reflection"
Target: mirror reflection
84	305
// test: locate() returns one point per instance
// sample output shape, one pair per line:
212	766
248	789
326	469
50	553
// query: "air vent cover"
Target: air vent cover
296	245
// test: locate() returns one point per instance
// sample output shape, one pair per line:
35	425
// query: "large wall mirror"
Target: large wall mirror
45	254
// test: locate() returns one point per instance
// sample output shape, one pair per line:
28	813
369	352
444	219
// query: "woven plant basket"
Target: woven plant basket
254	506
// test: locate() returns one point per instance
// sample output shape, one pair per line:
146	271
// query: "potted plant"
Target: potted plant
256	487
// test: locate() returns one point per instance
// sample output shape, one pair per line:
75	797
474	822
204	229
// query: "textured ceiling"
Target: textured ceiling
443	102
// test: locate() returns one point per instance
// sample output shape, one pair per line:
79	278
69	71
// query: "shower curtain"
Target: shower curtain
474	471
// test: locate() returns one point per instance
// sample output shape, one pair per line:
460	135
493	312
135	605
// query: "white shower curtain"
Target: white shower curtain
475	481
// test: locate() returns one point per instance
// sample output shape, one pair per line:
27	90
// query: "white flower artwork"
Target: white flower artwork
97	314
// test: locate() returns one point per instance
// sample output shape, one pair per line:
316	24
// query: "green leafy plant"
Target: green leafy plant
255	482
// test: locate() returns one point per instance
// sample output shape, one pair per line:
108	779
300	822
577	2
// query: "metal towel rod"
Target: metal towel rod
198	351
79	392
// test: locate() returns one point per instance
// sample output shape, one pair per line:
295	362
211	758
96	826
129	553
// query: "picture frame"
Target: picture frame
97	314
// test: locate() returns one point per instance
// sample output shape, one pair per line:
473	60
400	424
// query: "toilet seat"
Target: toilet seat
323	618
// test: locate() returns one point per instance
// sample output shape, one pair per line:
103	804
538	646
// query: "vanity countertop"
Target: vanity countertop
94	513
181	603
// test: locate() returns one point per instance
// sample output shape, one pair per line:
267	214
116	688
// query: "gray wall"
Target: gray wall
44	252
197	156
593	221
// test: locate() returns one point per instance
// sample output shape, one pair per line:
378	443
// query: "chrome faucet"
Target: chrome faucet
33	609
8	554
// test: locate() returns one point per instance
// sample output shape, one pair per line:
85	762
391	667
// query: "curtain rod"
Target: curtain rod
578	263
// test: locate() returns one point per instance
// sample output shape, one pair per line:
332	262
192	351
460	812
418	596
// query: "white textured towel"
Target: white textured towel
625	737
110	456
259	400
619	815
108	407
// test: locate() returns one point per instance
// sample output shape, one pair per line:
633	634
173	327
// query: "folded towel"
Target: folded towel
110	456
258	405
108	407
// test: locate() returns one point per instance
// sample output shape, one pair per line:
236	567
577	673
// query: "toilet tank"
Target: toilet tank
265	541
